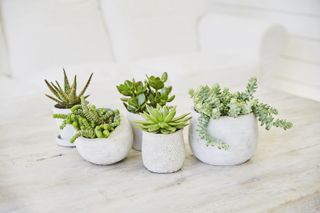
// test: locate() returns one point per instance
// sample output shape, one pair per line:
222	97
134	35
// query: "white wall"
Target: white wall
299	69
4	65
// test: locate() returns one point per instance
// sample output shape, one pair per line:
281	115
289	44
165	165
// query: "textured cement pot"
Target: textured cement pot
66	133
137	133
105	151
239	133
163	153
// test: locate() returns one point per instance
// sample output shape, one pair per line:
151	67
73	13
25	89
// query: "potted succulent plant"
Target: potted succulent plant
163	145
65	98
102	135
223	129
139	95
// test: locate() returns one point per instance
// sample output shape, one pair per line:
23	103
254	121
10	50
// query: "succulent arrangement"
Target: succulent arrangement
67	97
89	121
151	92
162	120
214	102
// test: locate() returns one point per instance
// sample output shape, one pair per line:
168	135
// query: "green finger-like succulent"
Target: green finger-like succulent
66	96
89	121
138	94
162	120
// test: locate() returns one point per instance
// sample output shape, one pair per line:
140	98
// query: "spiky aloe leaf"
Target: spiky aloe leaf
72	95
66	96
66	82
86	86
60	91
54	99
52	89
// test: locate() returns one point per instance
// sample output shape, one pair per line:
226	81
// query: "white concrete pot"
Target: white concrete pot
239	133
63	139
105	151
137	132
163	153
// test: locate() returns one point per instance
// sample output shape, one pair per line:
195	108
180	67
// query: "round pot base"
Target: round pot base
107	151
241	134
64	143
162	172
163	153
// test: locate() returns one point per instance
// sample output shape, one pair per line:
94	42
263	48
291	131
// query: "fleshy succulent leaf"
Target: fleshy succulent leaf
162	120
89	121
150	92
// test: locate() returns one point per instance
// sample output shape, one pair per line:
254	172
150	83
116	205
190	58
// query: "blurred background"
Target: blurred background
195	41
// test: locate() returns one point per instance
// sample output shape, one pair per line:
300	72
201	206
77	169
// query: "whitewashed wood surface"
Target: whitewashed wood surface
283	176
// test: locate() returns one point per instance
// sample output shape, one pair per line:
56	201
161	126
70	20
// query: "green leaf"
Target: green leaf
160	120
86	86
170	116
155	82
133	102
141	99
164	77
52	89
54	99
66	82
171	98
124	90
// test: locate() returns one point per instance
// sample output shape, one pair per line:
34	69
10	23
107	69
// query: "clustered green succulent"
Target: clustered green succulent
162	120
89	121
214	102
66	97
140	94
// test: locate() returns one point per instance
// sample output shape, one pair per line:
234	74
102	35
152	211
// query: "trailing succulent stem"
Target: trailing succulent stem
265	115
66	97
140	94
162	120
89	121
214	102
202	130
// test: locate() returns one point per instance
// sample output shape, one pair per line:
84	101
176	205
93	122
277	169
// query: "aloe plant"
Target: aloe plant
89	121
66	97
162	120
140	94
214	102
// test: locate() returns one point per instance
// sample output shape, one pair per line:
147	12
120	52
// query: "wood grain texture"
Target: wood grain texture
283	176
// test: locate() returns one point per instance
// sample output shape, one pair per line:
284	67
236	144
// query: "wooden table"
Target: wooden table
36	175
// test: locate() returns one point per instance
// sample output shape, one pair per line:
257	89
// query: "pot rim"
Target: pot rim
225	116
55	106
112	135
155	134
56	110
134	114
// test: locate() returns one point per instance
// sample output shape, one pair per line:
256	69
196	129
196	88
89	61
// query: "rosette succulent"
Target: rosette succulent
162	120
